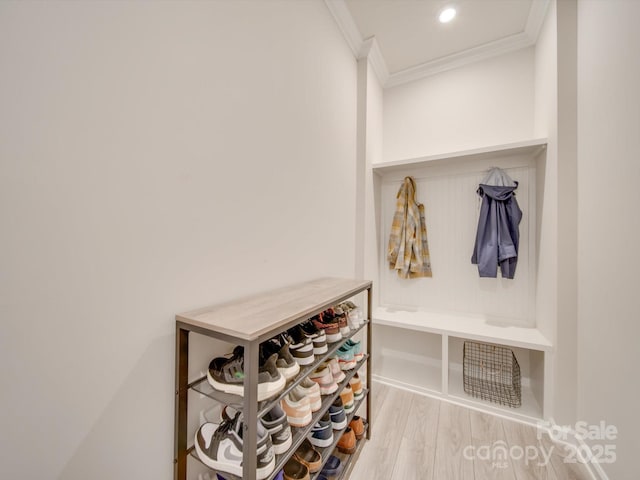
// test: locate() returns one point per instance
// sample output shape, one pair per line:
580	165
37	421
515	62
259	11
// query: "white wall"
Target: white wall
485	103
609	224
154	157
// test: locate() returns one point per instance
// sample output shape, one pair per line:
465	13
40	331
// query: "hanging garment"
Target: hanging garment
498	235
408	251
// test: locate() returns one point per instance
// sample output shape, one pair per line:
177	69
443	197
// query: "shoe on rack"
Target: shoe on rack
348	400
308	456
322	432
275	421
342	321
285	363
323	377
357	349
295	470
297	408
220	447
318	336
227	375
332	468
347	442
327	322
338	417
301	346
357	425
346	357
356	386
336	371
356	319
310	389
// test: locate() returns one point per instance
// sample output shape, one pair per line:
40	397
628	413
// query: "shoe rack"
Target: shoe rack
249	322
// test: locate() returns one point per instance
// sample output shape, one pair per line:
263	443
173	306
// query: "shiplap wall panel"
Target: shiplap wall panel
452	208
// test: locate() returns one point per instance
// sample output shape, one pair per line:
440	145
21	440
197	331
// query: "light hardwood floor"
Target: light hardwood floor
415	437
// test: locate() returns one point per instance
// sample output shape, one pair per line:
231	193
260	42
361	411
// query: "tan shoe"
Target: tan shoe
308	456
297	408
294	470
357	425
347	399
356	386
347	442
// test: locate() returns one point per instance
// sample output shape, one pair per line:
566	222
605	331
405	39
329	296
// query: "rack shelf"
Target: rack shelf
248	322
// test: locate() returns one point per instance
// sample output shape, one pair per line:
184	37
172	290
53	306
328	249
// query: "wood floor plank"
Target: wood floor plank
491	459
453	435
533	464
415	459
378	457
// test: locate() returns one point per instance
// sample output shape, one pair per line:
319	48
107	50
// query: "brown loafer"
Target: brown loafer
294	470
308	456
357	425
347	443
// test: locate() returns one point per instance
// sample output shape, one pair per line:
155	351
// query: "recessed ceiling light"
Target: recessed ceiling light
447	15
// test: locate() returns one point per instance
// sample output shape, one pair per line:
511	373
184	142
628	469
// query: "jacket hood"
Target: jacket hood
496	192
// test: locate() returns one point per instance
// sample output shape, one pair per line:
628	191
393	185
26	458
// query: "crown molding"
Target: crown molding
347	25
369	48
456	60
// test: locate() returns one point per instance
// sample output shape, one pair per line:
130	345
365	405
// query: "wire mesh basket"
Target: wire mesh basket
492	372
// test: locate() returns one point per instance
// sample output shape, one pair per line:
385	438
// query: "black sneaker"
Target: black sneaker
301	346
287	365
318	336
220	447
227	375
275	421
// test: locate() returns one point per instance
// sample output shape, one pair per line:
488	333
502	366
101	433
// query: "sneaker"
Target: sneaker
318	336
309	456
347	443
297	408
356	386
334	365
346	358
227	375
338	417
357	349
295	470
285	363
332	468
355	317
220	448
310	389
301	346
327	322
342	321
357	425
323	377
347	397
275	421
322	433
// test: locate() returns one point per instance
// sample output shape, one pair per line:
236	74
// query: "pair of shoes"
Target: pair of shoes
275	421
304	461
328	375
332	468
322	432
301	345
301	402
219	446
227	375
354	314
333	323
348	398
356	386
286	364
347	442
357	426
349	354
318	336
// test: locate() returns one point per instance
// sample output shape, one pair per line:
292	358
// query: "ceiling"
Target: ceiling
411	42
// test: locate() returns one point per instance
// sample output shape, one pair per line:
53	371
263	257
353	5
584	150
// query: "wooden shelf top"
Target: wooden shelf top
253	317
463	326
